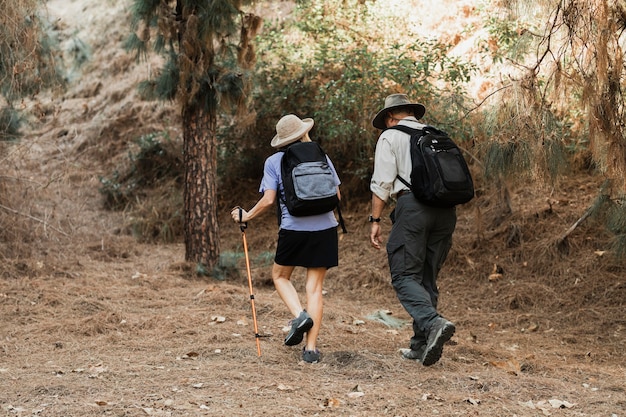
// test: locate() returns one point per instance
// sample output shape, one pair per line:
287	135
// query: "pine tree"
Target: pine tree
207	50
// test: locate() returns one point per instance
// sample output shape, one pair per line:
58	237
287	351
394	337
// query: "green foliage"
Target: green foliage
116	194
556	157
506	159
227	266
202	43
616	224
611	212
155	160
616	219
154	165
265	258
10	122
336	62
510	31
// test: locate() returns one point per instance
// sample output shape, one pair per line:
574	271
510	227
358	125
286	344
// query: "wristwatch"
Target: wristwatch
371	219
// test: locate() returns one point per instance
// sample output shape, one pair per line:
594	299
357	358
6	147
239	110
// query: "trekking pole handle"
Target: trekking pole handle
242	225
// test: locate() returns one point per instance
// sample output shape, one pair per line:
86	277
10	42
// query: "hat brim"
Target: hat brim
379	121
278	142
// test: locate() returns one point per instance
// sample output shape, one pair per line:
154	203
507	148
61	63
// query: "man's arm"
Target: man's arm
378	205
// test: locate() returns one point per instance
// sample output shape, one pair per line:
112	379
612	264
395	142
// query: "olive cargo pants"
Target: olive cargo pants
419	242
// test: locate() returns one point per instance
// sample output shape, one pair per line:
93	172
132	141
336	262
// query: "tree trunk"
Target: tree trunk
200	188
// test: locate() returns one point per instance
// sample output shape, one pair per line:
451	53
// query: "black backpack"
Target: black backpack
308	181
440	176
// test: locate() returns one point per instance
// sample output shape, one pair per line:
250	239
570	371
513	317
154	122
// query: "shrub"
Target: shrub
148	189
324	66
10	122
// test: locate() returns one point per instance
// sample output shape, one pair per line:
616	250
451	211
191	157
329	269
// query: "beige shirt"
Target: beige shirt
392	157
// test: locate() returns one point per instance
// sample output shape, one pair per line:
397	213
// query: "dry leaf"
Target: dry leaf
560	404
472	401
512	366
532	328
96	370
495	277
528	404
332	402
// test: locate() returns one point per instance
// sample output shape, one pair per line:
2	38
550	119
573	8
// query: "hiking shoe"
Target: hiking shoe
310	356
415	355
299	326
439	334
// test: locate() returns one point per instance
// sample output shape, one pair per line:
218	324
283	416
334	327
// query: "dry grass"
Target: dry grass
96	323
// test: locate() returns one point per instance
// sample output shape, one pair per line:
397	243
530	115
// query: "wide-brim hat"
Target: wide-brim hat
394	101
289	129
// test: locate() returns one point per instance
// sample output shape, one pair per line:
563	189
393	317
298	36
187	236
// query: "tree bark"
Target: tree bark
200	187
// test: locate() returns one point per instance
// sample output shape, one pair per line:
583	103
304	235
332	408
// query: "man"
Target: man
421	235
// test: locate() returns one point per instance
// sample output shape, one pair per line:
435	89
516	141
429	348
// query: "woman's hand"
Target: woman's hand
239	215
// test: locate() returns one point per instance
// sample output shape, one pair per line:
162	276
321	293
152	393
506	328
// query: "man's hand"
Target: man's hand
375	235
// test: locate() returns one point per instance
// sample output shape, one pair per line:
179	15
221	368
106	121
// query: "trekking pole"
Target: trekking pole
243	226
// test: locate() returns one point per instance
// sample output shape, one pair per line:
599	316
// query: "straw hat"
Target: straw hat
394	101
289	129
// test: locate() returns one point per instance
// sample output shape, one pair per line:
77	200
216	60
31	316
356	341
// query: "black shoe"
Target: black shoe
439	334
310	356
299	326
414	354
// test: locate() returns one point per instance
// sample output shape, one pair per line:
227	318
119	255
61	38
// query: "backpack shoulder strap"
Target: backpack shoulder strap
279	196
405	129
434	130
410	131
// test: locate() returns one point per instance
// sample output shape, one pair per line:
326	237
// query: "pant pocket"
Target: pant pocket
396	258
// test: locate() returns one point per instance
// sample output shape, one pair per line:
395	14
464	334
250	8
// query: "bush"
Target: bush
148	189
10	122
320	65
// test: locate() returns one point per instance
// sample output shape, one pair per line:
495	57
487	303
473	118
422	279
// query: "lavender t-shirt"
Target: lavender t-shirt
272	180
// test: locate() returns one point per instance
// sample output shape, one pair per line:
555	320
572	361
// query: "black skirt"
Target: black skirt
318	249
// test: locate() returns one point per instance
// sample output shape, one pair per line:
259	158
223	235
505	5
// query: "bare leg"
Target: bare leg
281	275
315	307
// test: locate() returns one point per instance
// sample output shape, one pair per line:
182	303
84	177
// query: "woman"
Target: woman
310	242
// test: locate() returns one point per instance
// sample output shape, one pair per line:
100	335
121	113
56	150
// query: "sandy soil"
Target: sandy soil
94	323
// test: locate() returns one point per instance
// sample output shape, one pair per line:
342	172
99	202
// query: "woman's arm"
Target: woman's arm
268	200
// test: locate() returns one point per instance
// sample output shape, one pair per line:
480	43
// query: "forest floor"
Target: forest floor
94	323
